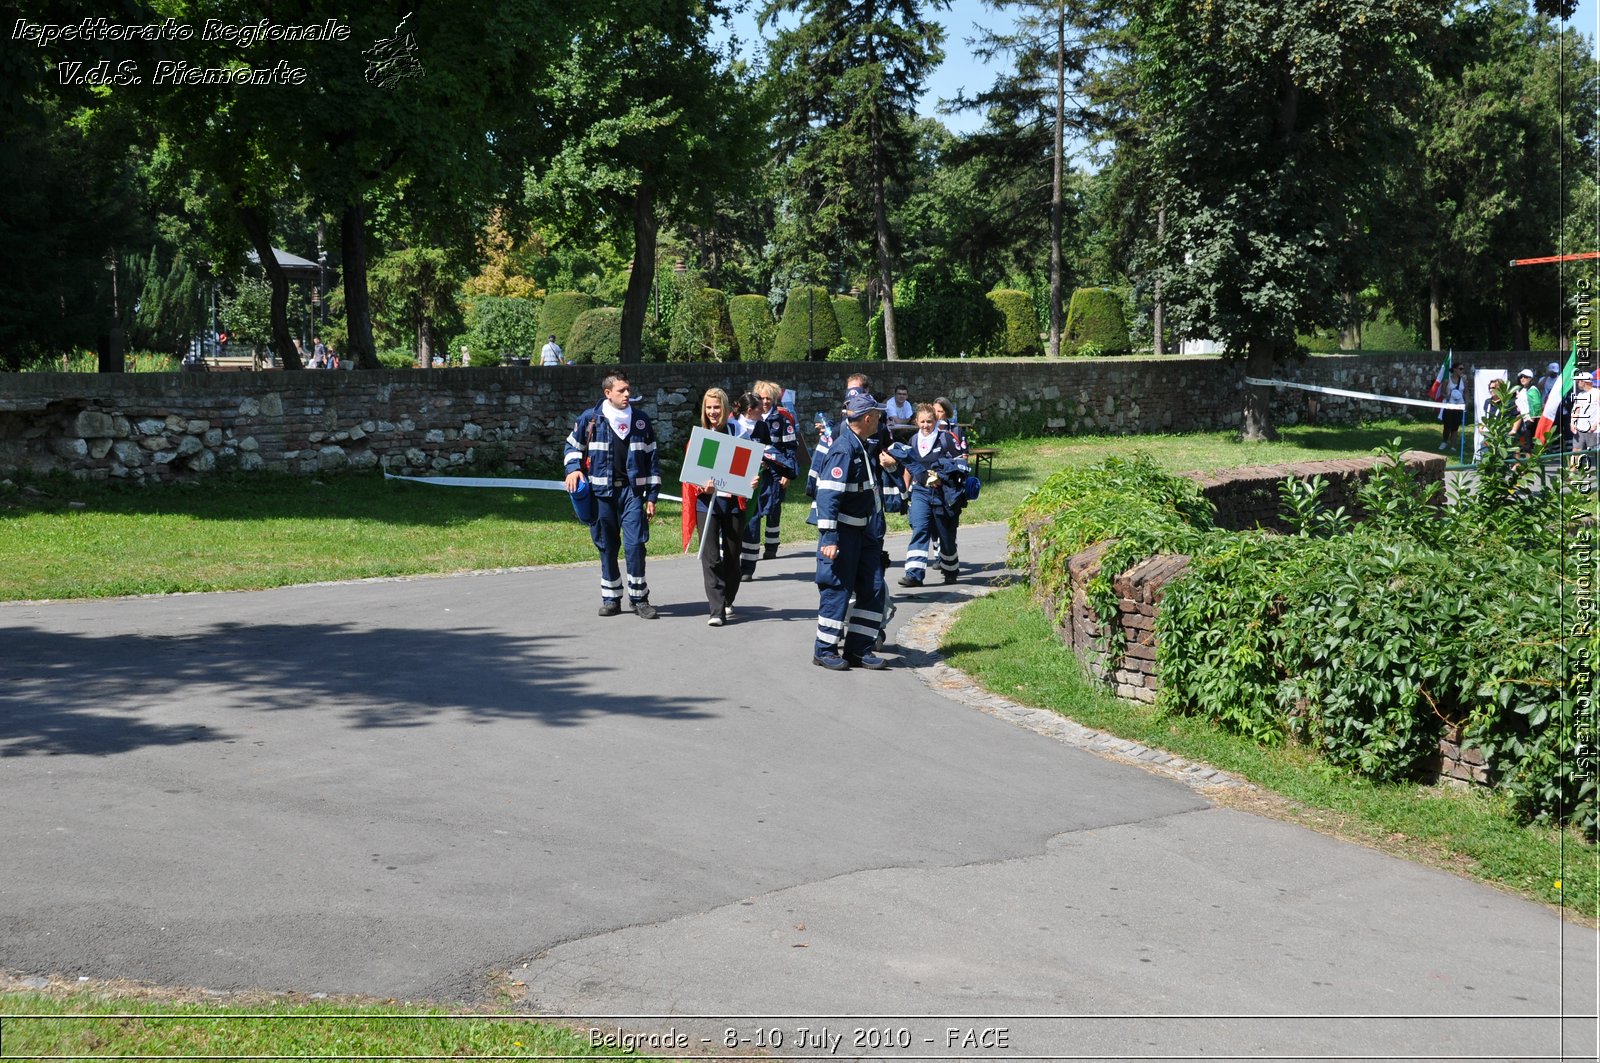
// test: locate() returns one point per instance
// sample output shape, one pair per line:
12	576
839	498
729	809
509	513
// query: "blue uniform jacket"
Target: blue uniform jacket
613	464
847	500
947	458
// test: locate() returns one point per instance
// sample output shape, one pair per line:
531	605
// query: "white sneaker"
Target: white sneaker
715	620
1444	446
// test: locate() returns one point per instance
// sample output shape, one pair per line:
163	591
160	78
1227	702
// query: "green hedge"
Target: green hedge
1019	334
596	337
560	311
1360	641
1095	323
701	331
800	316
754	328
939	312
852	320
500	328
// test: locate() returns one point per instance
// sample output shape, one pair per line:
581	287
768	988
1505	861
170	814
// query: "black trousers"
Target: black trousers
720	537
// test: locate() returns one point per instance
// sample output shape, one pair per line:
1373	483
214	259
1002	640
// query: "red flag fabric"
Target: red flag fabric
691	494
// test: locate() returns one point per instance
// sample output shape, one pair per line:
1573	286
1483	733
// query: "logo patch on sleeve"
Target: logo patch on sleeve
836	472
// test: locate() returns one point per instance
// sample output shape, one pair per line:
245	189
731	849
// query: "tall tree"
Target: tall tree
651	123
848	76
1270	123
1037	105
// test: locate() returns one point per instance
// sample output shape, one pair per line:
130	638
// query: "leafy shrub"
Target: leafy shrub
1018	336
754	327
596	337
808	313
502	327
1133	501
1384	333
939	312
397	358
559	312
852	321
1095	316
847	352
700	329
1362	641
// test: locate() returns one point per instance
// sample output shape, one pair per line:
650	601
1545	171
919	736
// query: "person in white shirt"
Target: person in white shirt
551	354
899	413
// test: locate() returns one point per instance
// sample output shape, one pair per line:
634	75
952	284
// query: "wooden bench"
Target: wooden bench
983	458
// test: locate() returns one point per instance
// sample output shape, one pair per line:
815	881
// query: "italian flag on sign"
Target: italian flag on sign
728	462
1552	401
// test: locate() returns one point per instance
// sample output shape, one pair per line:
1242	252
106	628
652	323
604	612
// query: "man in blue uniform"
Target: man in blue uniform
850	529
614	445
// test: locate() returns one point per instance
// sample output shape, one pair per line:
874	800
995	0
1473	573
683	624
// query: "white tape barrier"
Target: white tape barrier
1429	403
495	481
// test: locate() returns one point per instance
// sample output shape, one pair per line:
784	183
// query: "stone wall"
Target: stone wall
1134	675
160	426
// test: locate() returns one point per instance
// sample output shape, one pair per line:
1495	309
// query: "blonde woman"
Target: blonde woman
720	518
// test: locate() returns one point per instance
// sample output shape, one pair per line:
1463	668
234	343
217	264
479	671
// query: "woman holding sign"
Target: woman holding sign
720	517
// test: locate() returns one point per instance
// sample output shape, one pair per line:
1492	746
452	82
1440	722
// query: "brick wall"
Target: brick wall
160	426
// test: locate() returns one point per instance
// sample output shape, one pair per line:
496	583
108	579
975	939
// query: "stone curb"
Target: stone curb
922	633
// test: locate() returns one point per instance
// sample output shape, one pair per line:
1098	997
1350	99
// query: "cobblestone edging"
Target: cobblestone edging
921	635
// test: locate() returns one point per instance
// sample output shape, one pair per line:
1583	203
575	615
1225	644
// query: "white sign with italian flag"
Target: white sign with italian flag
727	461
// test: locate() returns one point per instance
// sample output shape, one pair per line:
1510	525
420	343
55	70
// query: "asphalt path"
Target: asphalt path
415	788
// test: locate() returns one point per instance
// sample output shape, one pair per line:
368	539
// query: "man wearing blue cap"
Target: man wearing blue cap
850	527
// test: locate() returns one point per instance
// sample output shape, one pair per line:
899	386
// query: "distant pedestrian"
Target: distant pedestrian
551	354
1528	403
466	357
613	445
1455	390
935	471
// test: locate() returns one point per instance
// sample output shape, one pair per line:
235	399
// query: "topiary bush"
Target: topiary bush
1018	336
754	327
806	315
560	311
852	321
596	337
700	330
939	312
847	352
1095	317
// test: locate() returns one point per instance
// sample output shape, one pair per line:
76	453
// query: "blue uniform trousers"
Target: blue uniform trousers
622	524
767	504
930	524
858	570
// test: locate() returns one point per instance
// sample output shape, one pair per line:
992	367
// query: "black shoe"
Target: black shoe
950	577
907	581
769	553
831	661
610	607
869	661
645	610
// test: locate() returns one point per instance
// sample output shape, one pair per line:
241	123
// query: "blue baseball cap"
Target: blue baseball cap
859	403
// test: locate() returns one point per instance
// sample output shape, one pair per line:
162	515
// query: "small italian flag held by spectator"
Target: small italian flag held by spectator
1437	388
1552	401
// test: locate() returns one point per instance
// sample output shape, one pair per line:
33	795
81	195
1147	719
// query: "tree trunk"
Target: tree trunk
880	217
424	343
357	303
1160	326
1350	327
1435	339
1258	426
258	227
1055	189
637	299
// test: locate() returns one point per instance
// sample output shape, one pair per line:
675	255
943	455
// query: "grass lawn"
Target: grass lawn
76	1025
65	539
1006	643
